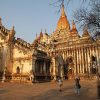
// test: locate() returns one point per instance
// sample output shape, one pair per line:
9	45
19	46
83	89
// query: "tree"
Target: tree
90	17
58	3
86	17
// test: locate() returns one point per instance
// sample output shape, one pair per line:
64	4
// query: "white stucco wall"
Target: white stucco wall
22	59
25	66
19	53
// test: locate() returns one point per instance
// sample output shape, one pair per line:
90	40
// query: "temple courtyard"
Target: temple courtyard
48	91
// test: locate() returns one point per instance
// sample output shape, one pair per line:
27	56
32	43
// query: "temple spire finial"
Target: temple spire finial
13	28
74	29
62	9
45	31
41	34
62	2
36	35
85	31
41	29
73	25
63	21
0	21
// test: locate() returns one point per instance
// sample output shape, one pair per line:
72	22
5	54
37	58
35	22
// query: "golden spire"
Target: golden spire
63	21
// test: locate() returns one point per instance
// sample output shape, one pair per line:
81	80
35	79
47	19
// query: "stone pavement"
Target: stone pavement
48	91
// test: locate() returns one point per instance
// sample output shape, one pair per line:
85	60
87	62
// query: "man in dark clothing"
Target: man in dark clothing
77	85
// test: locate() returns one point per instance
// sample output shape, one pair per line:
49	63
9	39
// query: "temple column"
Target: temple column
44	67
67	52
98	52
75	61
80	60
86	60
99	59
93	51
34	65
77	64
54	68
96	49
88	57
83	58
81	71
63	54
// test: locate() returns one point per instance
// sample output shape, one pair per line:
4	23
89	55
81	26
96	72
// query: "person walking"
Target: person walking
77	85
60	83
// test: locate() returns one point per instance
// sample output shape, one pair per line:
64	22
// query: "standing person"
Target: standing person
60	83
32	77
77	85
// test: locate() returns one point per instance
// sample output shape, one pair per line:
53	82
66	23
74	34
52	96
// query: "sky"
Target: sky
29	17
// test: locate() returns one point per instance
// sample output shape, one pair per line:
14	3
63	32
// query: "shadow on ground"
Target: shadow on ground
65	94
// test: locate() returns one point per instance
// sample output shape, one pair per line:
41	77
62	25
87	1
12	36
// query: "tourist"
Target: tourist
60	83
32	78
77	85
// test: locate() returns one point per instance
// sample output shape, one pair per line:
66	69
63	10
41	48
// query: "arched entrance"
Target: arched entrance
69	67
93	62
42	67
18	70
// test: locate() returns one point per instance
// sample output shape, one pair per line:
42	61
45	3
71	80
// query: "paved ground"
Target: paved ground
48	91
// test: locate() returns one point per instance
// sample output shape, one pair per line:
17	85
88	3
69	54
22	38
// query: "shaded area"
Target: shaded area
67	93
2	91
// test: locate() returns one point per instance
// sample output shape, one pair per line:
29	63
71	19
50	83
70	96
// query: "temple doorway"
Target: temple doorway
18	70
69	67
42	67
93	68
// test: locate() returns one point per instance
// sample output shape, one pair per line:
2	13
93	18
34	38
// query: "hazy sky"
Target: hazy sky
30	16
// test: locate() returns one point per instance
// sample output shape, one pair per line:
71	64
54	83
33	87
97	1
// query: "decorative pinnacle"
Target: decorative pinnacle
0	22
62	9
12	28
45	31
36	35
73	25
